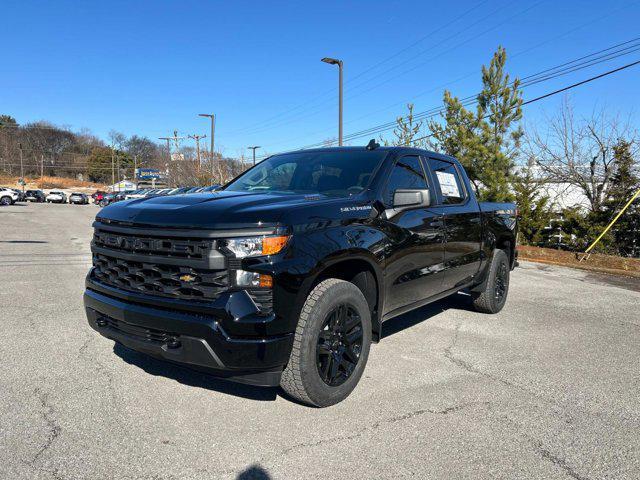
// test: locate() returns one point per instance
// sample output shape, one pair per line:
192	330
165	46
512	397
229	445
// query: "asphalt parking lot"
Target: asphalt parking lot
548	388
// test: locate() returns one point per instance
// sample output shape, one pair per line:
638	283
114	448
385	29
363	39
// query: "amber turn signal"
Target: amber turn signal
272	245
266	281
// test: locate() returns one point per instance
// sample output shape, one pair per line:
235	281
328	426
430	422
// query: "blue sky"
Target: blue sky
150	67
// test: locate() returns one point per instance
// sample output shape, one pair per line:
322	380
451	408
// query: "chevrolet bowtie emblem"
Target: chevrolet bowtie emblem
187	278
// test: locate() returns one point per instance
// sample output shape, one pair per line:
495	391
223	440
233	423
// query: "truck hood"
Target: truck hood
225	210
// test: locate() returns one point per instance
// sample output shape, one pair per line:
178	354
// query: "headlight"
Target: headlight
254	246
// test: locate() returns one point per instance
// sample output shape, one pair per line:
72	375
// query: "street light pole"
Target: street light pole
254	153
212	116
335	61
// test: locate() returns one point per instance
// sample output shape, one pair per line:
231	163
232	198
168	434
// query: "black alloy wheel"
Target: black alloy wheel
339	345
501	282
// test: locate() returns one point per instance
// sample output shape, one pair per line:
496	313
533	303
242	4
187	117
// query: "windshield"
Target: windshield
336	173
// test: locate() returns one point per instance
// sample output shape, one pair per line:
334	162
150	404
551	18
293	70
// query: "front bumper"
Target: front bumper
243	351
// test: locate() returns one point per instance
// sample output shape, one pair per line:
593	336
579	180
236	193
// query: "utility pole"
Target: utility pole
197	139
254	153
21	166
113	168
168	139
212	116
175	138
135	170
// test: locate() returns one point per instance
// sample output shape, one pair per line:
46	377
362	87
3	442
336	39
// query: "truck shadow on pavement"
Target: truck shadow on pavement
198	379
193	378
459	301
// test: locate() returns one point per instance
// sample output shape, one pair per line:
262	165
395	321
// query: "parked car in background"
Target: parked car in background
136	194
113	197
78	198
34	196
97	196
211	188
20	193
8	196
178	191
56	196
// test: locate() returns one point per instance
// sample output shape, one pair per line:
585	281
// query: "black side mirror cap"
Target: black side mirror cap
407	199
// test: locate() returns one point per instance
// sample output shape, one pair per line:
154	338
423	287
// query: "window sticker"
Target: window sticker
448	184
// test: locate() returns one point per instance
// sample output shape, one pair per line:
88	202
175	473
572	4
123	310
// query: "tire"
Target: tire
5	201
333	336
494	295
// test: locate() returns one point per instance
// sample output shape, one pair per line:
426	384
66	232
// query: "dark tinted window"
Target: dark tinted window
406	173
332	173
448	179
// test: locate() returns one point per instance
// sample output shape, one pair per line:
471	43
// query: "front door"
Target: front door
415	254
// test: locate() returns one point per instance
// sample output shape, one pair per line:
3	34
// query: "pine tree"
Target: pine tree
485	141
533	206
624	183
408	131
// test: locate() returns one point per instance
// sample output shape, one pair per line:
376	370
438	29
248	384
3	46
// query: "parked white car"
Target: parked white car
136	194
56	196
8	196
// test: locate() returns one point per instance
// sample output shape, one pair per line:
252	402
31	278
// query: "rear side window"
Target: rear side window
448	179
407	173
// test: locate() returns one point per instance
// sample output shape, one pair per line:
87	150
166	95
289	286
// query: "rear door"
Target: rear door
462	223
415	254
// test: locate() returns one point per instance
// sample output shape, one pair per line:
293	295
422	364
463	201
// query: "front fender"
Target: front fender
297	270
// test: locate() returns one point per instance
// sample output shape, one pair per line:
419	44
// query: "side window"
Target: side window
406	173
448	179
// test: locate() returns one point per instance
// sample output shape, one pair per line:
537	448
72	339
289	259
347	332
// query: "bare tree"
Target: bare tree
579	152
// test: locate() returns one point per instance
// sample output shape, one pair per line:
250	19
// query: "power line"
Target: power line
598	18
564	89
364	72
469	100
349	88
437	111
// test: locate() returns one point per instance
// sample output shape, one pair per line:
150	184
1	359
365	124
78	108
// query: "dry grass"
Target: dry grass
50	182
596	262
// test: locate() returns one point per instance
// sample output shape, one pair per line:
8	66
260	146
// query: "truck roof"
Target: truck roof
391	149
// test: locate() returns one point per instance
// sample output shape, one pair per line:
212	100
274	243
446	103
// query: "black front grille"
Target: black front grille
159	279
140	244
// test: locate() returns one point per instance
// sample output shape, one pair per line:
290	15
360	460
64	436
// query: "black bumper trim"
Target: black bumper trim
193	340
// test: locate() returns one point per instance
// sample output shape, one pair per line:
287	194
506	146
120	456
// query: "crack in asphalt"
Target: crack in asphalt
543	452
359	433
53	427
557	461
472	369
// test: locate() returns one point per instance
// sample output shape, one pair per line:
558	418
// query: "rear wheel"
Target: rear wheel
494	295
331	344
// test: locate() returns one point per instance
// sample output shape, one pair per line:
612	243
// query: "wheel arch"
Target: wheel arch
361	270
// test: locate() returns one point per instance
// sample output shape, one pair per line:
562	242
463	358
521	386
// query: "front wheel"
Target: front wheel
494	295
5	201
331	344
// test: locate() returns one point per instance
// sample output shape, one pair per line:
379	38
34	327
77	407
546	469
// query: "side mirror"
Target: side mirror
408	199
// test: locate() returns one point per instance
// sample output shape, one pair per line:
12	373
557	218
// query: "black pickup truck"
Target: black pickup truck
285	275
